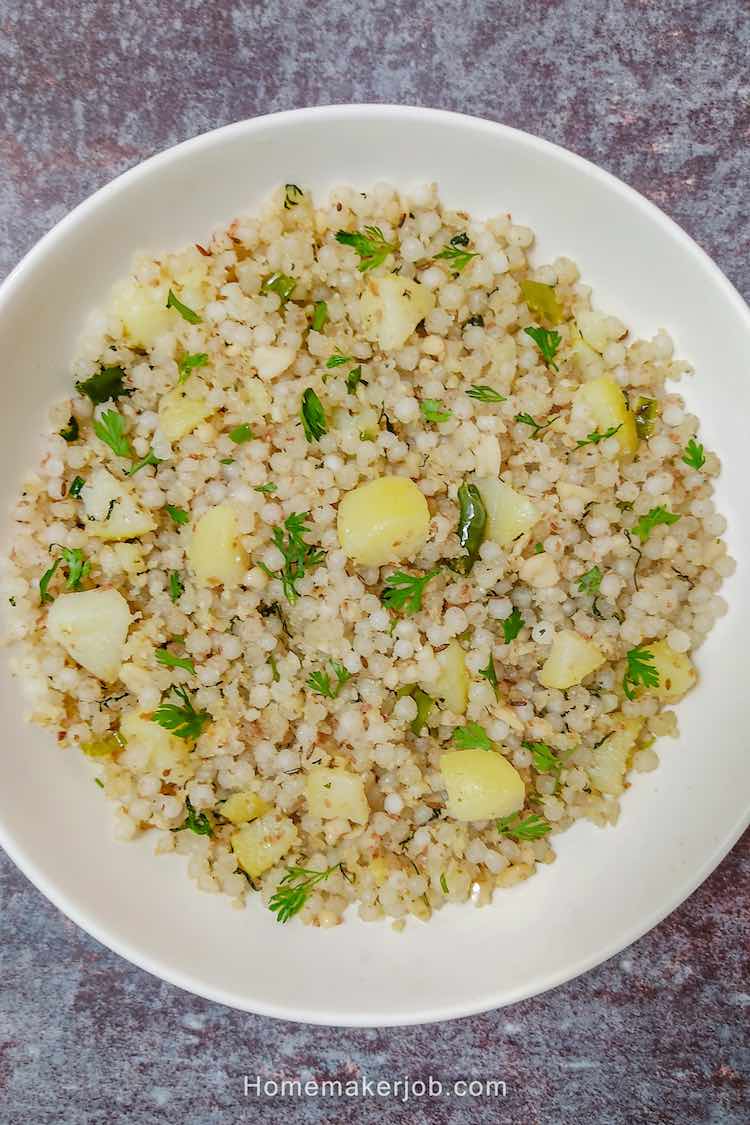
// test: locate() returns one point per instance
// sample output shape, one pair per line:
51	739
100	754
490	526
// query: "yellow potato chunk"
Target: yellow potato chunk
452	683
335	793
263	842
92	626
391	308
571	659
607	774
112	511
481	784
243	807
143	312
608	407
272	360
215	554
383	521
180	411
509	513
150	747
676	670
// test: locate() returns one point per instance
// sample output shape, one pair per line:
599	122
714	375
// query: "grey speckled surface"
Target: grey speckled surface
656	92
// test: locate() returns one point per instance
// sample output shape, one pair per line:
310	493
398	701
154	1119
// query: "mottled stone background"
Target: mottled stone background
657	92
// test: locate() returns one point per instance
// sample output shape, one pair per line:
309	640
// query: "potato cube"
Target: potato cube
607	774
385	520
607	405
143	311
481	784
571	659
509	513
262	843
391	308
92	626
181	410
335	793
215	553
676	670
243	807
452	683
148	746
112	511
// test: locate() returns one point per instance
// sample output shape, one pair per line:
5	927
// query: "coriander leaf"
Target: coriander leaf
595	436
294	890
195	821
320	682
693	455
242	433
590	582
640	670
338	359
176	586
371	246
187	314
110	428
472	737
179	515
188	363
77	565
444	884
472	522
353	379
274	669
71	432
434	411
279	283
226	460
489	673
313	416
646	524
424	704
149	459
105	385
184	722
45	580
476	321
512	625
527	420
404	592
292	196
538	548
298	555
544	758
320	316
485	394
268	487
532	828
76	486
169	660
547	342
455	253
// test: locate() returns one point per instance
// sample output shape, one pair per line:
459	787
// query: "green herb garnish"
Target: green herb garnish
434	411
370	245
320	316
268	487
240	434
320	682
173	302
443	884
313	416
298	555
110	429
353	379
595	436
184	722
544	758
176	586
179	515
527	420
646	412
279	283
45	580
424	704
105	385
455	252
294	890
489	673
694	455
169	660
195	821
590	582
403	592
77	566
547	342
188	363
149	459
226	460
640	670
512	625
476	321
532	828
71	432
485	394
472	521
472	737
76	486
338	359
646	524
292	196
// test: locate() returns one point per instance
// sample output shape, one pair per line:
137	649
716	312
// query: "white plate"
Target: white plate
607	887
